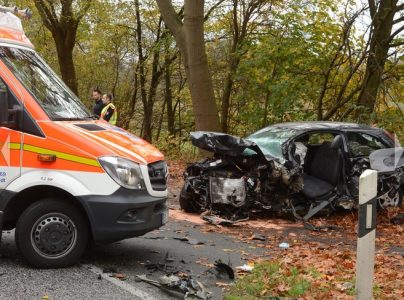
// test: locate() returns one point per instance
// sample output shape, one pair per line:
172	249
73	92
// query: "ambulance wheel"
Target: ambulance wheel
51	234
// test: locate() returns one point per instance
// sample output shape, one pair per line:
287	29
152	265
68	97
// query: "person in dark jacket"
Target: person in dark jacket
98	104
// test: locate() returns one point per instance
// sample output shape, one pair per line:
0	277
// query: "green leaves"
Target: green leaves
296	59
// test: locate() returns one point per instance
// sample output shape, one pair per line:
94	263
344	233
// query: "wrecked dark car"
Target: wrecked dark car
297	169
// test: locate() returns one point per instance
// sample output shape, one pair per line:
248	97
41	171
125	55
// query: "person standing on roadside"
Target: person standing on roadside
98	104
109	112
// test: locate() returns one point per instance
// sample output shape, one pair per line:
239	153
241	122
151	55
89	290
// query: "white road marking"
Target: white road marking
119	283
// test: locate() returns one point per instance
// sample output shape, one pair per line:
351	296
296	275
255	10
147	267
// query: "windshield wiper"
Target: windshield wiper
71	119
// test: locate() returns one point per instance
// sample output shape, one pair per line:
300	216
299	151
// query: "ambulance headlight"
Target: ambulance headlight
124	171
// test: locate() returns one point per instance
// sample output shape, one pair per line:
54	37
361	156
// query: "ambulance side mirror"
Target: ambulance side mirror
9	116
3	107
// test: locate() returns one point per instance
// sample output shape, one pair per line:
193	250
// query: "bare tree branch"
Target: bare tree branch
372	8
396	21
171	18
399	7
210	11
395	33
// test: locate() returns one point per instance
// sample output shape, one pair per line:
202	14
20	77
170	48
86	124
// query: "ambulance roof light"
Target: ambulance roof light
24	13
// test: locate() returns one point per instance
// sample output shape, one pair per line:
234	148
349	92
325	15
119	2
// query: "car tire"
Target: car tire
188	202
51	234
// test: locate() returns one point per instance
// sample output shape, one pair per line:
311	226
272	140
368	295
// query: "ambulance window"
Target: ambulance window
14	107
57	100
18	117
3	87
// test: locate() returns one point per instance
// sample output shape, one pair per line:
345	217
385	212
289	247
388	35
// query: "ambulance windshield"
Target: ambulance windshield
58	101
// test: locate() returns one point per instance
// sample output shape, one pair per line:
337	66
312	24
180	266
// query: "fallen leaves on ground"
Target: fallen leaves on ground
332	258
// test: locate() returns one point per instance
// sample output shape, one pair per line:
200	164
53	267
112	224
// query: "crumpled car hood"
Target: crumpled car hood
221	143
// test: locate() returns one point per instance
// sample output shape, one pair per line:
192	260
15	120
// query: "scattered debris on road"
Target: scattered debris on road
119	276
190	241
245	268
215	220
186	288
155	237
109	270
154	267
258	237
222	271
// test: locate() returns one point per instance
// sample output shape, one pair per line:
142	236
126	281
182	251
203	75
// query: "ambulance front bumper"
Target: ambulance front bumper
125	214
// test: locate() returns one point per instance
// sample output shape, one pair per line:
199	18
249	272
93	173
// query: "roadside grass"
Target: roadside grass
274	280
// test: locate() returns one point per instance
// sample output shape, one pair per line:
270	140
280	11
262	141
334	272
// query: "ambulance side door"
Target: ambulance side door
11	138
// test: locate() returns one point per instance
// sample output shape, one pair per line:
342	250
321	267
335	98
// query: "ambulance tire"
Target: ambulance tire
51	234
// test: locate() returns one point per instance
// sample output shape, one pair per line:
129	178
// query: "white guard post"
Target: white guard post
366	235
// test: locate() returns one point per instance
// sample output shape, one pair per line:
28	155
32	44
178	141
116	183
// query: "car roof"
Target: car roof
322	125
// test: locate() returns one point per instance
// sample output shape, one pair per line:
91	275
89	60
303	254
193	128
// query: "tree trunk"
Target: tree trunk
379	47
266	109
228	86
189	37
200	80
169	97
63	22
67	69
161	120
146	127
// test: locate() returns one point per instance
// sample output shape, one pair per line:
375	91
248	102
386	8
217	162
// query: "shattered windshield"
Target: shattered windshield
57	100
271	139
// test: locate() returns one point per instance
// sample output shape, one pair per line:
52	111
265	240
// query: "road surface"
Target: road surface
130	257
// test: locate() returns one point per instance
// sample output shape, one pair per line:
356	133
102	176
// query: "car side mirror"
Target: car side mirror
337	142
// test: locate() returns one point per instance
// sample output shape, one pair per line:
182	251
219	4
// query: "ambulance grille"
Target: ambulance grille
158	175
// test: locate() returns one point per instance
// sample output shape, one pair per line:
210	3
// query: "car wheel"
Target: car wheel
395	201
51	234
188	202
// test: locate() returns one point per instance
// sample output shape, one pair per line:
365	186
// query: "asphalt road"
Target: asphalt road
130	257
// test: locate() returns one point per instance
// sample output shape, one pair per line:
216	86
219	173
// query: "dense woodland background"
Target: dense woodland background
269	61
